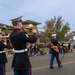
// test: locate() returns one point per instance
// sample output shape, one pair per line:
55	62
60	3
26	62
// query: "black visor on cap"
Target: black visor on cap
17	19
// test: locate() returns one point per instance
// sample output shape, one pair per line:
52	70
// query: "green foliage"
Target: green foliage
58	26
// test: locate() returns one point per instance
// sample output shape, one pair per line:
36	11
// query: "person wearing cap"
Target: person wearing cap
3	59
21	63
54	51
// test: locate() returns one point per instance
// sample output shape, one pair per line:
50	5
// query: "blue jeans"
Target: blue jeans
2	69
56	55
23	72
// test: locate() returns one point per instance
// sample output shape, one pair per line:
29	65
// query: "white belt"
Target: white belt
20	51
2	52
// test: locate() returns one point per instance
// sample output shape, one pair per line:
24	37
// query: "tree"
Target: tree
42	36
58	26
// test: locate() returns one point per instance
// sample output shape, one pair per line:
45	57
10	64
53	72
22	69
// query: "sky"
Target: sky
37	10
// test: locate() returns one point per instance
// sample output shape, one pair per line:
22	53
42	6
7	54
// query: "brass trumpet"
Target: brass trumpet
25	29
7	36
29	28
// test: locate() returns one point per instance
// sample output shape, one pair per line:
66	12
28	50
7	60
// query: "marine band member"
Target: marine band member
21	63
3	58
54	51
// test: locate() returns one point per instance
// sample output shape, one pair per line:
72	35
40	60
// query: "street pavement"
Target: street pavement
40	65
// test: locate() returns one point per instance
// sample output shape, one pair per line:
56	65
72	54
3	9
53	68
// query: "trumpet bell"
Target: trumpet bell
30	26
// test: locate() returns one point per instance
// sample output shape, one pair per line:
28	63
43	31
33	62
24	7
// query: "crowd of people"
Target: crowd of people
34	50
66	48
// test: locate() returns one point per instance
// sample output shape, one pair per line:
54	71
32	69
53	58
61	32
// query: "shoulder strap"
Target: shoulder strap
54	47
